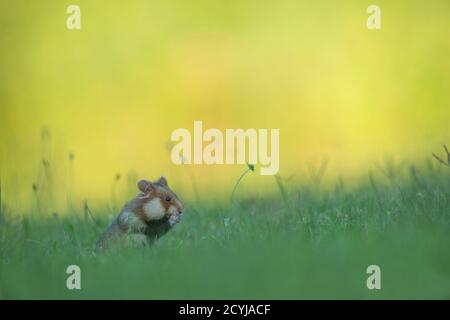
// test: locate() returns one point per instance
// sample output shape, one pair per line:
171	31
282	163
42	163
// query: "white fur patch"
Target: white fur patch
133	222
154	210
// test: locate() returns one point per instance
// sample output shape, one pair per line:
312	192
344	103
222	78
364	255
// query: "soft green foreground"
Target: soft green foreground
260	249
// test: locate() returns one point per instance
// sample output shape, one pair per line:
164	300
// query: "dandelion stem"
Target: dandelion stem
284	193
249	168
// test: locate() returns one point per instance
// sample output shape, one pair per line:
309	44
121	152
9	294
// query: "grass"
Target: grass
318	246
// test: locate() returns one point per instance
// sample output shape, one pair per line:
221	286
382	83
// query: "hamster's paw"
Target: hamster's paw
174	219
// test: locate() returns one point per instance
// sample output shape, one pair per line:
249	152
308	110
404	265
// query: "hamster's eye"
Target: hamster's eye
168	198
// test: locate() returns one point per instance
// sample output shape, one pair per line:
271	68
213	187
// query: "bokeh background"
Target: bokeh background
92	110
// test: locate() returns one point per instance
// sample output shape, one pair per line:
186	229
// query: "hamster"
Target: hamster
145	218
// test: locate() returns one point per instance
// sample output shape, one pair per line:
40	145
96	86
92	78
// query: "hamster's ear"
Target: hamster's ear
163	181
145	186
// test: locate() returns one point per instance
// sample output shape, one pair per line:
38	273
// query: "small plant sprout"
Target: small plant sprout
115	181
444	162
391	169
169	146
71	180
35	189
250	167
283	192
316	173
88	212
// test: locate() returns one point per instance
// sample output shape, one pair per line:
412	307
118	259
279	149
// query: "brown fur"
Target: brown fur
133	220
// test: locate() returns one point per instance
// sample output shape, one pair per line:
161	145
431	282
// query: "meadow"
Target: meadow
304	242
86	113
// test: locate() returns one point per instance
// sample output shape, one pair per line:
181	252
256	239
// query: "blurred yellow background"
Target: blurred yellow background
112	92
